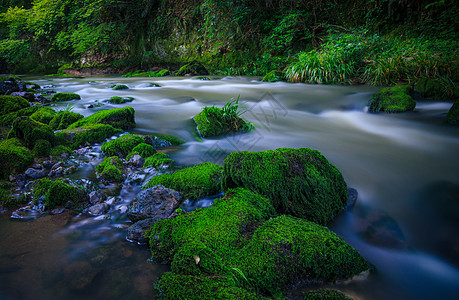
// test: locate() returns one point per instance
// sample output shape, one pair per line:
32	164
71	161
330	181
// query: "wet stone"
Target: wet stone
35	174
136	233
57	211
97	197
99	209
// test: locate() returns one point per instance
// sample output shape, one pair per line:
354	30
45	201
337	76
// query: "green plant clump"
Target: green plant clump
31	131
123	118
59	97
272	76
392	100
64	119
195	182
325	294
9	104
122	146
213	121
42	148
120	87
453	114
15	158
300	182
44	115
111	169
120	100
157	160
57	192
8	119
91	134
143	149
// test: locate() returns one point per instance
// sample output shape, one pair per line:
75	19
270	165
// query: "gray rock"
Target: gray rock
57	211
8	87
136	233
26	95
156	202
158	143
136	161
21	180
33	174
97	197
98	209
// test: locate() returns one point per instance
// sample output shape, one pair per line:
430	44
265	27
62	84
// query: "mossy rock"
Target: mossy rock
120	100
212	121
42	148
35	86
173	286
122	146
392	100
59	150
286	250
30	131
453	114
119	87
59	97
7	120
157	160
9	104
143	149
91	134
192	68
429	88
272	76
123	118
15	158
64	119
58	192
325	294
160	140
44	115
111	169
195	182
300	182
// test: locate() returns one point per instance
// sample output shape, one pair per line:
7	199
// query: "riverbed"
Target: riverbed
403	169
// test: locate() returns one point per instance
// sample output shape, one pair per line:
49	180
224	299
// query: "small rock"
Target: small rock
35	174
136	233
97	197
37	166
136	161
70	170
21	180
98	209
48	164
26	95
57	211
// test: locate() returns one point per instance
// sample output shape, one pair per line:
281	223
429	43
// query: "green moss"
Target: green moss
163	72
195	182
7	120
300	182
59	97
192	68
42	148
59	150
156	160
174	141
43	115
430	88
286	250
120	100
273	76
31	131
453	114
110	169
123	118
91	134
7	200
57	192
122	146
10	104
36	86
143	149
15	158
392	100
64	119
173	286
120	87
325	294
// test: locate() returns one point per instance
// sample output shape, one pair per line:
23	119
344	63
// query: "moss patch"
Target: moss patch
120	87
91	134
15	158
300	182
64	119
59	97
453	114
123	118
429	88
392	100
120	100
59	150
7	120
122	146
192	68
57	192
44	115
31	131
42	148
143	149
111	169
157	160
195	182
10	104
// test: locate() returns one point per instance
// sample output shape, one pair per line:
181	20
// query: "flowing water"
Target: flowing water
404	168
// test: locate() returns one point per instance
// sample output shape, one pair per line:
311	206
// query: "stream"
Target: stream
403	168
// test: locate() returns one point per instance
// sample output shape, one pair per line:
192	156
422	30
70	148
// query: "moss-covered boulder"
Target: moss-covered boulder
429	88
44	115
30	131
7	119
42	148
91	134
143	149
157	160
300	182
325	294
123	145
10	104
59	97
58	192
120	87
195	182
111	169
120	100
64	119
392	100
192	68
15	158
213	121
123	118
453	114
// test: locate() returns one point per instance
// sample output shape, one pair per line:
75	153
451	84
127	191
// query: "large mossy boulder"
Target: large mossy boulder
8	119
111	169
9	104
58	192
64	119
123	145
30	131
91	134
44	115
59	97
300	182
395	99
123	118
192	68
194	182
14	157
453	114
